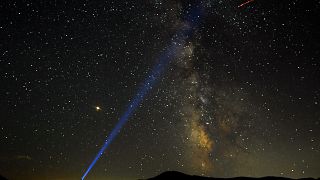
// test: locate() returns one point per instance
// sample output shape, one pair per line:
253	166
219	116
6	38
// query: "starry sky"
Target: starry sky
240	98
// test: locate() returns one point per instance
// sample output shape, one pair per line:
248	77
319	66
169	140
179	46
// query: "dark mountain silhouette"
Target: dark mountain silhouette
179	175
3	178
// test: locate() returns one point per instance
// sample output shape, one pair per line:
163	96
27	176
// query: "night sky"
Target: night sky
240	98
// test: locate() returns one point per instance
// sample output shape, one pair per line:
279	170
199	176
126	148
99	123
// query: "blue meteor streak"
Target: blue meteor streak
178	41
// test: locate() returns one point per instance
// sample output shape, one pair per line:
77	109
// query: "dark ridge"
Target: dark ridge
3	178
179	175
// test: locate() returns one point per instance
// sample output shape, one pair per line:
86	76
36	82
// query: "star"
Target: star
97	108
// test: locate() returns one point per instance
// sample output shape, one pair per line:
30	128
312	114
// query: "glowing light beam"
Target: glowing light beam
247	2
178	40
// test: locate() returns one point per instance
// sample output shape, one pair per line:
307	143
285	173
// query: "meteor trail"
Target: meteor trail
247	2
178	40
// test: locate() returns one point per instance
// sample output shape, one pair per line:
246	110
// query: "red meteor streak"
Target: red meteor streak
247	2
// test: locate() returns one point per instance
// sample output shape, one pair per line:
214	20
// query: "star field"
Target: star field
241	98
